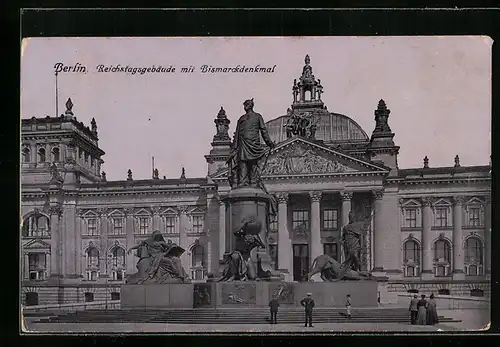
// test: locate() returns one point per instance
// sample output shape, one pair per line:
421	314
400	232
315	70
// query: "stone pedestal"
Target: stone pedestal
245	202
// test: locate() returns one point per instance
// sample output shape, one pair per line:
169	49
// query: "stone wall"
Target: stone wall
457	288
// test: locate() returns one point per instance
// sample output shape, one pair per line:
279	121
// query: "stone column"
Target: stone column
487	236
379	234
103	237
26	266
458	250
78	244
55	235
183	239
156	219
131	260
426	239
346	208
284	242
316	246
69	259
222	228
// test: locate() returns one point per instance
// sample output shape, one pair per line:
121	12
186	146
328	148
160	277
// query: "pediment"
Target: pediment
36	244
301	157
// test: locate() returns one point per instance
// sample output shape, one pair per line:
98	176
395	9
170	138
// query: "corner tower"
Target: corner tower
382	147
221	144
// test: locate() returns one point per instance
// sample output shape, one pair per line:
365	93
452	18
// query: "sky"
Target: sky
437	88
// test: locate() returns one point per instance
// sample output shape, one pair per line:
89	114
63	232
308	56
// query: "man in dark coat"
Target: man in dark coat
308	304
273	306
413	309
247	150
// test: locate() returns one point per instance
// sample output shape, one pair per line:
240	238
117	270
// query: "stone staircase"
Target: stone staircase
245	315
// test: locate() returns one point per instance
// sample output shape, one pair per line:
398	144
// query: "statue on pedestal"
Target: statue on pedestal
352	235
247	153
158	262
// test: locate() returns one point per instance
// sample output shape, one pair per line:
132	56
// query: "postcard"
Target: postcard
255	184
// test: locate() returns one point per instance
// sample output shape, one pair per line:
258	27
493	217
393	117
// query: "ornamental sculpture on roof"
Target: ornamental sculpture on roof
301	124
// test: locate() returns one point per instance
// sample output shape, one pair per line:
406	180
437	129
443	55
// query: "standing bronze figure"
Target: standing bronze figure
352	234
247	153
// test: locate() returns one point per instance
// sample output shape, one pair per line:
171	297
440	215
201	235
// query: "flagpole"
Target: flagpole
57	102
153	168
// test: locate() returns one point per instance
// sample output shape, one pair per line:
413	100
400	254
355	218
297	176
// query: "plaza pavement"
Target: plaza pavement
471	320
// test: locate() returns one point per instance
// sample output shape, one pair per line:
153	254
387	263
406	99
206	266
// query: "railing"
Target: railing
81	306
450	302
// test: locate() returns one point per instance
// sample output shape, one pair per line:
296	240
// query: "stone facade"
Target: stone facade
426	228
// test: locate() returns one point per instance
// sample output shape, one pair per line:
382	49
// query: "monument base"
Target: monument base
247	294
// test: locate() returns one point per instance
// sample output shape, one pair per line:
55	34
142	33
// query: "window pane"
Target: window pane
170	225
330	219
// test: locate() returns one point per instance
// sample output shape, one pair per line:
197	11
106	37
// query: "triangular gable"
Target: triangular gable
36	244
90	214
299	156
116	213
197	210
411	203
168	211
442	202
474	201
143	212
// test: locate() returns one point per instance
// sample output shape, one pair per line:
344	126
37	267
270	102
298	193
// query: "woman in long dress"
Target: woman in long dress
432	316
422	311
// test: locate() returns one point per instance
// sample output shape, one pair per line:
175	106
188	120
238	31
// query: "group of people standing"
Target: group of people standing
423	311
308	304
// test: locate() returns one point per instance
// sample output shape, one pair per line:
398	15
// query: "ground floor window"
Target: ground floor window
31	299
115	296
443	291
300	262
476	292
332	250
89	297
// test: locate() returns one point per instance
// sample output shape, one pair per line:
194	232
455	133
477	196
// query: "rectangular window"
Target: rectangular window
300	220
330	219
411	218
143	225
170	225
441	217
117	226
474	216
331	249
273	223
198	224
92	227
273	253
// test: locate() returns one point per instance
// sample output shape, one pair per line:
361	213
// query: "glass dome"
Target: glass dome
331	127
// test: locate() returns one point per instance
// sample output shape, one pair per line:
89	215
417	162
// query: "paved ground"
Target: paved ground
471	320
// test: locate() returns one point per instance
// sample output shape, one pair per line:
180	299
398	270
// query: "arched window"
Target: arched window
411	258
55	154
41	155
197	262
36	225
473	256
118	257
26	155
442	258
93	257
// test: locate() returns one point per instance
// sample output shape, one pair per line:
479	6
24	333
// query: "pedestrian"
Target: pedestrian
273	306
413	309
432	316
308	304
422	310
348	305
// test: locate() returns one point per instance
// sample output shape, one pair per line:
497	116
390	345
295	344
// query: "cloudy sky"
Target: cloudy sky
437	88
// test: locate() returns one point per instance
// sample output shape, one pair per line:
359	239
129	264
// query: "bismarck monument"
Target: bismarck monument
248	278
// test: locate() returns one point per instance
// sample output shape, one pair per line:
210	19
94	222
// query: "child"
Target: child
348	306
